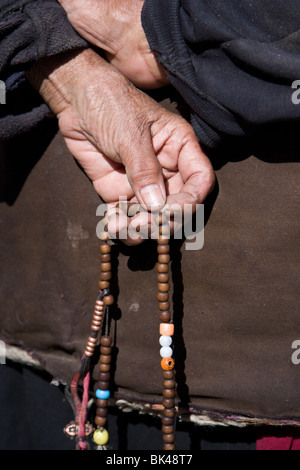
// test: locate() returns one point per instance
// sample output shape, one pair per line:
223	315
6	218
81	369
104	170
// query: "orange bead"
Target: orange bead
166	329
167	363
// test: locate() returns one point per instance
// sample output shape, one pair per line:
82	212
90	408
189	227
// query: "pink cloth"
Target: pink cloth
279	440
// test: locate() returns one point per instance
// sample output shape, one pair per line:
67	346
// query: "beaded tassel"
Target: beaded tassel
166	331
101	436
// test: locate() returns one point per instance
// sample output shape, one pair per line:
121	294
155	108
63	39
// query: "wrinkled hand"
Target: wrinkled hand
115	27
127	144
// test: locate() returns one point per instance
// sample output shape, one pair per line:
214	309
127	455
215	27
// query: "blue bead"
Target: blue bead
102	394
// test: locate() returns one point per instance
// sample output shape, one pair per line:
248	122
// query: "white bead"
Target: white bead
166	351
165	340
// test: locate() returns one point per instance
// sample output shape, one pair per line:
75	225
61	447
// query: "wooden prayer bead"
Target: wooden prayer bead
162	296
164	259
169	383
105	276
104	267
104	367
103	285
164	305
169	412
108	300
169	438
163	286
163	277
105	248
162	268
167	429
169	446
105	341
163	240
168	393
102	412
101	403
105	377
163	249
105	350
167	421
165	316
100	421
103	385
105	359
168	403
105	258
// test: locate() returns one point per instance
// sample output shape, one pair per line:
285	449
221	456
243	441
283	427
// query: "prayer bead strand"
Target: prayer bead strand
166	331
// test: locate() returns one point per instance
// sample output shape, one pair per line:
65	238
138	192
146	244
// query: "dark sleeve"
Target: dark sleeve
234	62
29	30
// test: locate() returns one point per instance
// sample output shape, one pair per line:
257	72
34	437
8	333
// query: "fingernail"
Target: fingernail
152	197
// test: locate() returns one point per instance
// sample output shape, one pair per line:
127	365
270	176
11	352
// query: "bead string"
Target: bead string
102	394
166	330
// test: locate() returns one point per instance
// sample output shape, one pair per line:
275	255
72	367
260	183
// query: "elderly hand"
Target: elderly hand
127	144
115	27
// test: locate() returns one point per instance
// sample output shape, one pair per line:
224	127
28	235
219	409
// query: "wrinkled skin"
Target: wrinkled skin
115	27
127	144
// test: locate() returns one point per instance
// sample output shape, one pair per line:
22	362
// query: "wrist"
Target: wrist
62	79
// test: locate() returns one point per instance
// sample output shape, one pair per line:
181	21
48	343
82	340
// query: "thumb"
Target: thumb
144	173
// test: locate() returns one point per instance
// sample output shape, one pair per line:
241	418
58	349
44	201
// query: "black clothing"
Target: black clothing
29	30
233	62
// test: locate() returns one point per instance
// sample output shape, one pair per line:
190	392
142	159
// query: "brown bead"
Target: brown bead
164	305
167	421
101	403
105	359
163	286
108	300
169	438
167	393
105	377
168	374
104	367
167	429
105	258
105	350
103	385
102	412
103	285
105	276
163	277
162	296
169	412
163	249
162	268
168	446
162	240
104	267
105	341
100	421
164	259
105	248
169	383
165	316
168	403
